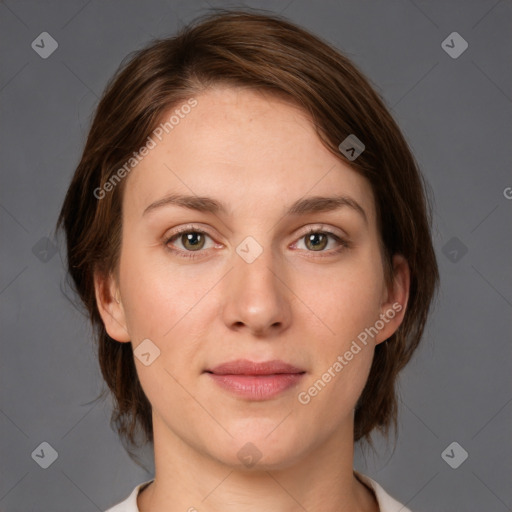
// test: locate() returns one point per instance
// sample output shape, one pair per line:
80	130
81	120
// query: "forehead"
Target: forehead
242	140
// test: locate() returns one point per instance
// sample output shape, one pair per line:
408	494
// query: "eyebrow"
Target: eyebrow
303	206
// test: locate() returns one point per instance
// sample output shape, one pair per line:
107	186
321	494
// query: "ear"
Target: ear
110	306
394	299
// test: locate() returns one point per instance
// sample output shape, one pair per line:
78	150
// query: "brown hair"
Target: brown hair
247	49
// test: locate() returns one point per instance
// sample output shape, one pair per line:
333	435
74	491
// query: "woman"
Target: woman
249	232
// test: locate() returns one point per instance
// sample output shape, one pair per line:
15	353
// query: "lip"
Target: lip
256	381
246	367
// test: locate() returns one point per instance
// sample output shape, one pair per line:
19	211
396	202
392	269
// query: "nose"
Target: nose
256	297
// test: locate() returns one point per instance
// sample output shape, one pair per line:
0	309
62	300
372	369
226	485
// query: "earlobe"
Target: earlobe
110	307
396	298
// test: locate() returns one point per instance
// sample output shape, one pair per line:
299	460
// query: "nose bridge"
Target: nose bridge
253	266
255	296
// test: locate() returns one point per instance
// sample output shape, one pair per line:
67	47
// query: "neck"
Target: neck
187	479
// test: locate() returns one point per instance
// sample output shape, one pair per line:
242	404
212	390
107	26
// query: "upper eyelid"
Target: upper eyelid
323	228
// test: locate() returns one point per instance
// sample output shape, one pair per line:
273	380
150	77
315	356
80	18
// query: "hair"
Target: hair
269	54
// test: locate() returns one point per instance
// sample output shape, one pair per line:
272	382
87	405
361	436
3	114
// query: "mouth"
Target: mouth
256	381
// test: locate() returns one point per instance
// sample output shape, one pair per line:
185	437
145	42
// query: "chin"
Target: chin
260	446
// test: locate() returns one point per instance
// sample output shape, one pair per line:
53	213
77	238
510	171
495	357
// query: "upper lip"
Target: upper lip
246	367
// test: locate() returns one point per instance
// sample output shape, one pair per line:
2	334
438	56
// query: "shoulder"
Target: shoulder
385	501
130	503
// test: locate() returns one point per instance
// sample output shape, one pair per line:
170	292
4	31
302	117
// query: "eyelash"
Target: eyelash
196	254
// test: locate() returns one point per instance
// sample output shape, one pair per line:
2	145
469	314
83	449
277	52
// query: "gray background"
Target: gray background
456	114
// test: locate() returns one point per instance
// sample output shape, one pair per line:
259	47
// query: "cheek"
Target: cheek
147	300
161	299
347	299
348	304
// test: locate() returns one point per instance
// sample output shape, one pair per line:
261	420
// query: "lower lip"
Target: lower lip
257	387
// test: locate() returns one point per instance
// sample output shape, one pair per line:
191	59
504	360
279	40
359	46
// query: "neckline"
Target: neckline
360	478
368	486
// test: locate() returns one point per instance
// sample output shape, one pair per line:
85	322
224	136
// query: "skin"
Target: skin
257	154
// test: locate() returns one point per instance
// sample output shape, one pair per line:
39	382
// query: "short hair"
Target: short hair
266	53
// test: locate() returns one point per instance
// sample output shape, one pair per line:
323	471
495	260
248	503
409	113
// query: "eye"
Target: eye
317	240
187	240
191	242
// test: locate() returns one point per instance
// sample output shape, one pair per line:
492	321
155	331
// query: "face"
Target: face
252	267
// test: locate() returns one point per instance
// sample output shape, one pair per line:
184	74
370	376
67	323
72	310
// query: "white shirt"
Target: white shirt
385	501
